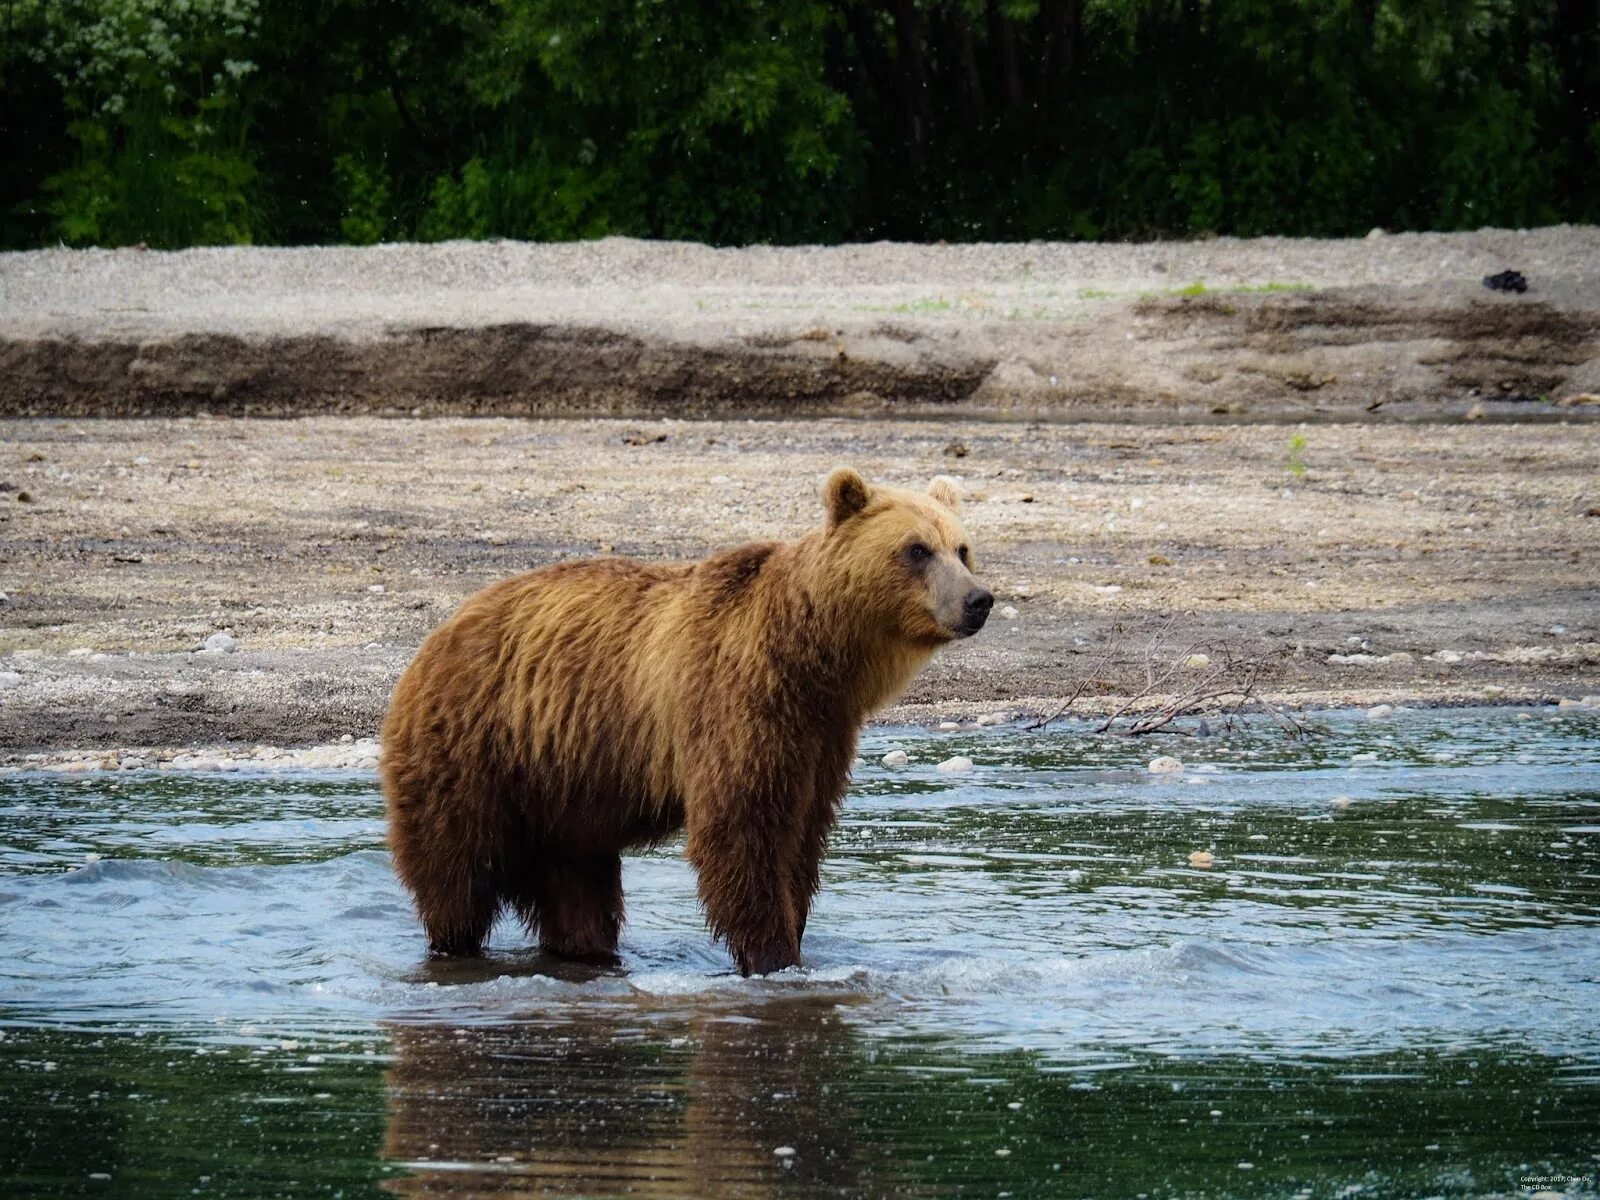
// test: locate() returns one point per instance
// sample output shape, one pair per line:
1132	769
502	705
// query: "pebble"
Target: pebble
1200	858
959	765
1008	612
377	589
949	726
132	763
1195	661
895	758
1380	712
221	642
994	718
1022	590
1165	765
783	1151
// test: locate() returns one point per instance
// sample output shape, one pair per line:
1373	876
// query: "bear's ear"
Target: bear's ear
845	494
946	490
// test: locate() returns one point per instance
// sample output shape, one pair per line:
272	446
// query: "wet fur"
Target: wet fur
564	715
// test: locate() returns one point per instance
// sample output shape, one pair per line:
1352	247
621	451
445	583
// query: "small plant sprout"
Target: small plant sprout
1297	449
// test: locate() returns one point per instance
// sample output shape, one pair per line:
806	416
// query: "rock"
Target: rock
377	589
948	726
221	642
1196	661
1475	413
959	765
1200	858
1022	590
1380	712
895	758
1009	613
132	763
1340	802
9	679
80	652
1165	765
1506	281
1566	702
783	1151
1446	656
994	718
1401	656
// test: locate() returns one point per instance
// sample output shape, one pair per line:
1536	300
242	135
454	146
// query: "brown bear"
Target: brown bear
566	714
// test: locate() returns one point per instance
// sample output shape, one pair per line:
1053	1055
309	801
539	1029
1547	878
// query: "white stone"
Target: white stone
1200	858
1447	656
9	679
959	765
895	758
1196	661
994	718
1380	712
377	589
948	726
221	642
132	763
1022	590
1340	802
1008	612
80	652
783	1151
1165	765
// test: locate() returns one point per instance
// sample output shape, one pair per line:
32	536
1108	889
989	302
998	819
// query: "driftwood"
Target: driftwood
1226	686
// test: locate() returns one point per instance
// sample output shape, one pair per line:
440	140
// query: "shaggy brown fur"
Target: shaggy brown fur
563	715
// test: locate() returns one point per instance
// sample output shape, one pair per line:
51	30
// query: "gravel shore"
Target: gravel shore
1401	563
1347	461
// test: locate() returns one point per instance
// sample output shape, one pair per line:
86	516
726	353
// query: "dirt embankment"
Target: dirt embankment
1391	326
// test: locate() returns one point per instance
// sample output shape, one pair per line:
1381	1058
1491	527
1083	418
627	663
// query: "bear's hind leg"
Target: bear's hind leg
575	904
457	913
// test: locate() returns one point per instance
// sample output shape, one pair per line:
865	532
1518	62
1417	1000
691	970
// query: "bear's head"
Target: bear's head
901	561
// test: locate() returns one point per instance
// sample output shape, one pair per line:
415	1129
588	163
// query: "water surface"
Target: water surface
1016	982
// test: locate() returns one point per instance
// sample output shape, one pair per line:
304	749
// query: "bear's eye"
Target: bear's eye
962	554
918	553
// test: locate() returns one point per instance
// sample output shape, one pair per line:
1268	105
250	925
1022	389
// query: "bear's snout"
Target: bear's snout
975	610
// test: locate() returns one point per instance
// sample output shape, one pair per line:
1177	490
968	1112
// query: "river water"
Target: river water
1387	982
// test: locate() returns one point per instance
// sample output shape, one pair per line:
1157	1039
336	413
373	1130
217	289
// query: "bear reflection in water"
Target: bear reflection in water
633	1098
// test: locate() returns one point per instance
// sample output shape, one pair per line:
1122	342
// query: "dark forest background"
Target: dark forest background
186	122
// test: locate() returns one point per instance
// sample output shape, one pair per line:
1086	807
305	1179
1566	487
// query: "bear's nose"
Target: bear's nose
979	602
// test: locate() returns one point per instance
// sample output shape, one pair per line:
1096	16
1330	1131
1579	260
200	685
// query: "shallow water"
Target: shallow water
1016	983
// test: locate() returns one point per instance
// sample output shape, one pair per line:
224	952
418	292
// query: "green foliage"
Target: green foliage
175	122
1297	450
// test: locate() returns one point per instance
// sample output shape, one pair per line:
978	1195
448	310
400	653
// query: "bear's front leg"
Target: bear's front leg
741	851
